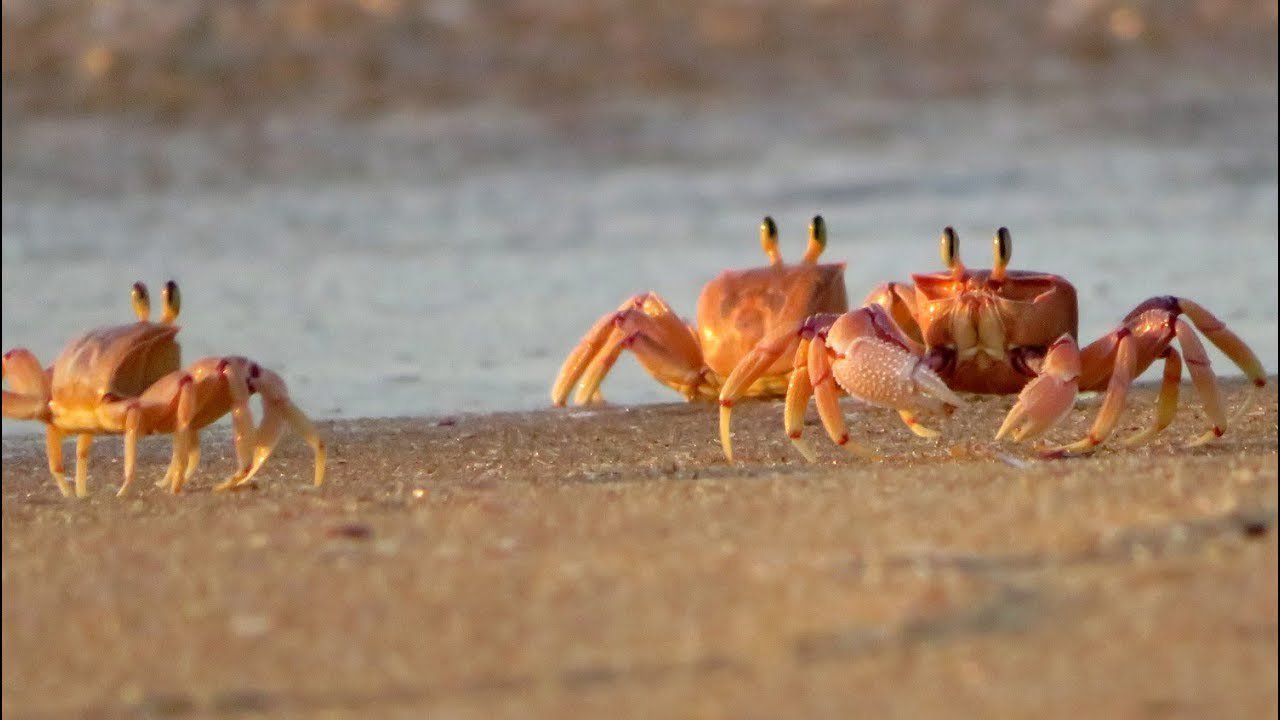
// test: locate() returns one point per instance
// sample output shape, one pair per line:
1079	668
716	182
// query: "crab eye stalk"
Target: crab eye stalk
817	239
949	247
1002	249
172	302
769	240
141	300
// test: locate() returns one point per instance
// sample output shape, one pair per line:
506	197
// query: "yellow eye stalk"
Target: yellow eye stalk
817	239
1002	248
769	240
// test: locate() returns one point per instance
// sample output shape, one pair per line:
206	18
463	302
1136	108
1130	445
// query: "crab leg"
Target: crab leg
669	350
1145	336
584	352
1048	398
1167	402
275	416
277	411
148	414
83	443
899	301
690	379
53	438
1122	375
799	390
601	364
237	383
663	346
914	425
756	363
1228	342
184	437
182	472
827	399
1205	383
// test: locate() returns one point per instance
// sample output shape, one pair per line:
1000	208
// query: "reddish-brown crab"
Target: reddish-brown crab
735	310
989	331
124	379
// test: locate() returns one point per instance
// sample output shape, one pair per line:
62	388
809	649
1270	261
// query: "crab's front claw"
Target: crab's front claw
30	382
1047	399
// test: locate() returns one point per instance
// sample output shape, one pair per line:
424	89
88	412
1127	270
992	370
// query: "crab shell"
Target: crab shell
739	307
107	364
982	319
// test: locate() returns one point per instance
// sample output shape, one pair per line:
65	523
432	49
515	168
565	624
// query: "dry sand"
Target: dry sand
571	564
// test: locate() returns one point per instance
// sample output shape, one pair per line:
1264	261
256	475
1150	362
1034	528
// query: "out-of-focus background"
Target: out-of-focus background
416	208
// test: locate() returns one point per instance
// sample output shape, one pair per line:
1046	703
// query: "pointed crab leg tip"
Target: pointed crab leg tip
1208	437
1010	421
1139	437
1003	432
321	463
726	435
805	450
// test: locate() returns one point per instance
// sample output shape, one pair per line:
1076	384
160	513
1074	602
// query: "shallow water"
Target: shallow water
436	263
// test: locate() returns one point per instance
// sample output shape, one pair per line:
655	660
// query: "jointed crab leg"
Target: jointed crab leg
277	412
150	413
663	344
826	397
657	343
1048	398
760	359
1158	319
584	353
53	438
83	443
862	353
1167	402
1115	360
799	390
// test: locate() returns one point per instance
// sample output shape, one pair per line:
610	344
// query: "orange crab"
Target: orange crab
735	310
910	347
124	379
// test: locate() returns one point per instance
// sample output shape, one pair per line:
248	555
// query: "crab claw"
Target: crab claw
31	385
885	374
1049	397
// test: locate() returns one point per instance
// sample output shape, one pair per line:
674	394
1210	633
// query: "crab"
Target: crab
735	311
911	348
125	379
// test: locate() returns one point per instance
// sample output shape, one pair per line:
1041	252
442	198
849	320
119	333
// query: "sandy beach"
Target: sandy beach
608	561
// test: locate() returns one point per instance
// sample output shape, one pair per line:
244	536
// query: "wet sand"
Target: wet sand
581	563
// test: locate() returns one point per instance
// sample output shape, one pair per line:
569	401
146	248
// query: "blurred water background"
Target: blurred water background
416	208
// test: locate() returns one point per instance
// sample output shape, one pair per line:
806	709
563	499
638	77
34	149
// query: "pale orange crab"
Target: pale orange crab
910	347
735	310
124	379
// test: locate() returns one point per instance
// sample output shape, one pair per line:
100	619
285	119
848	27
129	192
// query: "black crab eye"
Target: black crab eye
172	297
1002	246
949	245
818	231
769	228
